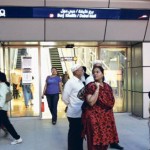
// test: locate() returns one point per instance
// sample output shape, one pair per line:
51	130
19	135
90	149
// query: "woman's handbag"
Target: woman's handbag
81	92
9	96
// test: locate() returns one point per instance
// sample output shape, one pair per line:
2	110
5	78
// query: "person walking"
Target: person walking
65	78
69	96
114	145
52	88
4	120
97	115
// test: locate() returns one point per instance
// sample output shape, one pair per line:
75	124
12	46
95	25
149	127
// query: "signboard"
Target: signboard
26	77
26	70
26	62
68	58
73	13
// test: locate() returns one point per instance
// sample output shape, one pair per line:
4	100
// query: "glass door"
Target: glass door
24	78
114	63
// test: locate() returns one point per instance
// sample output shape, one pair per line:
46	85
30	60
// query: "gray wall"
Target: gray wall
75	30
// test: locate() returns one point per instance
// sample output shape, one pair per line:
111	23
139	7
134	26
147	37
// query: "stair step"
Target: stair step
55	60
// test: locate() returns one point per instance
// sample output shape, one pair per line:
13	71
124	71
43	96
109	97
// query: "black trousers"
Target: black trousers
75	141
52	100
4	120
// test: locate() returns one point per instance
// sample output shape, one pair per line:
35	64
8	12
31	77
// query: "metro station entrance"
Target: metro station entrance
27	64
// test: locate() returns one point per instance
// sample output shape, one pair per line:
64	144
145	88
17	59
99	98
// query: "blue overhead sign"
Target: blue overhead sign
74	13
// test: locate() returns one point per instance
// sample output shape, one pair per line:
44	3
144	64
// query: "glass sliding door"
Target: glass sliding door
24	81
114	63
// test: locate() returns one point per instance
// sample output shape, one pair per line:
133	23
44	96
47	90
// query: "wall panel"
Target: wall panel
147	36
75	29
22	2
130	3
21	29
125	30
77	3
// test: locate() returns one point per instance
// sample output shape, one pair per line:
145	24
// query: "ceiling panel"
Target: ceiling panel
125	30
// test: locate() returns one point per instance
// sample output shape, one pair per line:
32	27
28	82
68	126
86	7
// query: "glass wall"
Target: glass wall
27	68
24	81
114	63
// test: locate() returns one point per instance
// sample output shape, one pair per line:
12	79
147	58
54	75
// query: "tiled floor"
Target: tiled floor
42	135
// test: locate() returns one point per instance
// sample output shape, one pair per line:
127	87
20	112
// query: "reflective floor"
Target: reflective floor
18	108
42	135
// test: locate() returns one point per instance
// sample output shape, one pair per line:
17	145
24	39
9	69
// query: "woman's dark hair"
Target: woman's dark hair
3	78
101	69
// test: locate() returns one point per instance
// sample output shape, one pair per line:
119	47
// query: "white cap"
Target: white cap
75	67
97	62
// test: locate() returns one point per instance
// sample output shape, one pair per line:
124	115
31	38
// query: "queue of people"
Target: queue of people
91	117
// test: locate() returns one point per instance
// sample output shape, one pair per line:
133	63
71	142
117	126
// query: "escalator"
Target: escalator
55	60
21	52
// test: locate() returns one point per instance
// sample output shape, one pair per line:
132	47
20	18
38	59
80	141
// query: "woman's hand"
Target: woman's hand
97	84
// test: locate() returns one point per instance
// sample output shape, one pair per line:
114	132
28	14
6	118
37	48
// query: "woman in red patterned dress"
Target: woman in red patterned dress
97	117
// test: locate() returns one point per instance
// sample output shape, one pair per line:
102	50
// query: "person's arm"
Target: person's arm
3	92
107	100
60	87
91	99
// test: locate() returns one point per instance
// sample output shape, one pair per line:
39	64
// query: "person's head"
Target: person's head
3	78
66	72
84	68
97	63
54	71
77	70
98	73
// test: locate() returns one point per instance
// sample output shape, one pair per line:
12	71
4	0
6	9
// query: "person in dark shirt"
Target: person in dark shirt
85	75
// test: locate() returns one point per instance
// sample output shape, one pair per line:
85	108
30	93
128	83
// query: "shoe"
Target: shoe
53	122
17	141
116	146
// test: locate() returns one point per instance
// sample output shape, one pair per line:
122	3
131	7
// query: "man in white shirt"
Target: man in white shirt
69	96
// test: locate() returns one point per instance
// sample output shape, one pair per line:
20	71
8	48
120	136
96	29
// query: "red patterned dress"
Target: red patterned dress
98	120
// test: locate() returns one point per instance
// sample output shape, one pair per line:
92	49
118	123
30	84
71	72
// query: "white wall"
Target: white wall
146	78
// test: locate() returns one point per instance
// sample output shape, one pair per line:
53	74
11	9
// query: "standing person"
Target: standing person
4	120
28	95
97	116
85	75
91	79
65	78
52	88
71	89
